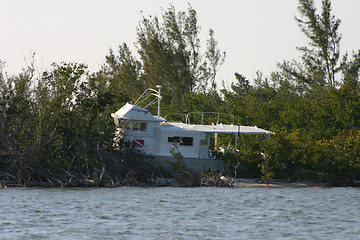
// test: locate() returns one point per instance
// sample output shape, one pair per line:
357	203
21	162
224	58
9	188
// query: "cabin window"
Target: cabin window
136	126
184	141
205	141
143	127
172	139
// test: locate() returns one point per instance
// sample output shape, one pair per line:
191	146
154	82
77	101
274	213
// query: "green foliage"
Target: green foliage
170	55
242	86
57	124
215	59
320	60
314	115
163	50
179	165
243	165
120	74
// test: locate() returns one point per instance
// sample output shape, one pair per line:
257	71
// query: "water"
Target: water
180	213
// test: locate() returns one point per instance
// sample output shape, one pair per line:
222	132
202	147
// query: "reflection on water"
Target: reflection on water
180	213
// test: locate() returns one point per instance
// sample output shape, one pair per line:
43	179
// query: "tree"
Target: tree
215	59
346	98
320	60
16	120
170	55
242	86
2	79
121	74
163	50
351	69
55	121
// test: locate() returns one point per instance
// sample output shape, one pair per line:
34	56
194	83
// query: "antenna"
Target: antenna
159	98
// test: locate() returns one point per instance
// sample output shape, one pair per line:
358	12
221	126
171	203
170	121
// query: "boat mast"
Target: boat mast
159	98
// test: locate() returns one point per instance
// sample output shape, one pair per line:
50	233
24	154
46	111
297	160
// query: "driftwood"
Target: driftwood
113	169
216	181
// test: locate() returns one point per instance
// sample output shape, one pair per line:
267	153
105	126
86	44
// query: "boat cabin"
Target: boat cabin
153	135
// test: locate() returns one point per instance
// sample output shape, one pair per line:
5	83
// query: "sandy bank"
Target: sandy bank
242	182
238	182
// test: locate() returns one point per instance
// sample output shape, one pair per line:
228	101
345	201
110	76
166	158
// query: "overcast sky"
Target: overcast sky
255	34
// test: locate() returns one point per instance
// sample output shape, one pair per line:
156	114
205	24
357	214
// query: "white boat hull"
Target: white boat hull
195	164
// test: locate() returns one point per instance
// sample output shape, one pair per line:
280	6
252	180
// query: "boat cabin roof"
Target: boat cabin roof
219	128
136	113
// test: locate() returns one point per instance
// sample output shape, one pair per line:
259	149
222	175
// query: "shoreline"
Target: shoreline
205	182
277	183
247	183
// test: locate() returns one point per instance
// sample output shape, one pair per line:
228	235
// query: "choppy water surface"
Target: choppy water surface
180	213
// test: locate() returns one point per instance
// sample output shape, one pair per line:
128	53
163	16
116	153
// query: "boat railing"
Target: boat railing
215	113
187	116
176	114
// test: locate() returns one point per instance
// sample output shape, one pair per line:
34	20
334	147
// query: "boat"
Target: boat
164	142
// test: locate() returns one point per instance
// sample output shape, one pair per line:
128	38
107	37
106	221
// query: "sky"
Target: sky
256	34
